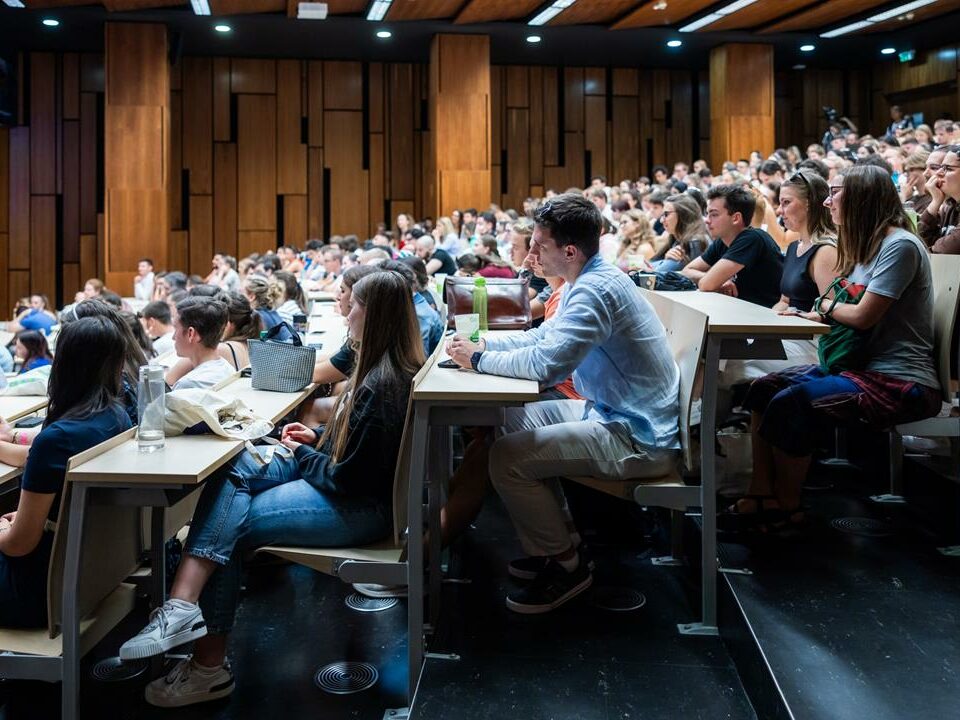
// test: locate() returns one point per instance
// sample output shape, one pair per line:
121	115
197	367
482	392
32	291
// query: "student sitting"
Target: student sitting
264	295
243	324
686	234
939	226
896	382
158	324
742	261
36	317
436	260
329	270
31	350
143	282
492	265
335	491
84	411
293	301
428	319
198	328
637	240
610	338
140	336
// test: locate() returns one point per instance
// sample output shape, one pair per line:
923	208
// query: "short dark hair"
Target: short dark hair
314	245
416	232
111	298
660	168
472	211
818	166
770	167
489	217
176	280
208	317
404	270
736	199
571	219
601	178
876	161
157	310
148	261
658	198
419	270
705	172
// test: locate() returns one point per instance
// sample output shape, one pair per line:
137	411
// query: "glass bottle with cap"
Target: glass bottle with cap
151	407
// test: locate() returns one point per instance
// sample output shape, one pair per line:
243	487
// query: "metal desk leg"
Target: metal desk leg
708	495
158	558
438	460
70	629
415	548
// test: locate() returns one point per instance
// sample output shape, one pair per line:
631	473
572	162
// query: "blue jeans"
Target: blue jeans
246	506
667	265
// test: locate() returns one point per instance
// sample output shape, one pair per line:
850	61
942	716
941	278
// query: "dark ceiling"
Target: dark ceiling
276	35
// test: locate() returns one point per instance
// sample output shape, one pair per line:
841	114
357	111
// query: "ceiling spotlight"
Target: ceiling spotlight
674	43
50	22
222	28
384	34
888	51
807	48
660	5
533	38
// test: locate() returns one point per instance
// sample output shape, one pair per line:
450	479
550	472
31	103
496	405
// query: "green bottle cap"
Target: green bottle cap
480	282
263	334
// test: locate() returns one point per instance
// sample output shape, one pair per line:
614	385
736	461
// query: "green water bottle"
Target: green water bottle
480	301
263	335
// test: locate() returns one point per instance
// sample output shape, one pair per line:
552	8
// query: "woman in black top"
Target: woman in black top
336	490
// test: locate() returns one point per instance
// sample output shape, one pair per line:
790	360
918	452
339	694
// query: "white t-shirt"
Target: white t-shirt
205	375
143	287
288	310
163	344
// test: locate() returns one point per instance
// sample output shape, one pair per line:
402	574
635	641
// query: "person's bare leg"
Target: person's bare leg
318	412
763	470
468	488
191	577
791	472
210	650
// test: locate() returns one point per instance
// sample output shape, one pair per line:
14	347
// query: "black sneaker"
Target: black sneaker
551	588
527	568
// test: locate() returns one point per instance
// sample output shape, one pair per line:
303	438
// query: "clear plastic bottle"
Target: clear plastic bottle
151	407
480	301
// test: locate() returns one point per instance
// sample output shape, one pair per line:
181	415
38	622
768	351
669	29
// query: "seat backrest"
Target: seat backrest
508	301
946	295
110	549
401	476
686	334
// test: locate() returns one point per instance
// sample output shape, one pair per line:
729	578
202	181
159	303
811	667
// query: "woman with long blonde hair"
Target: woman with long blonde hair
637	238
335	489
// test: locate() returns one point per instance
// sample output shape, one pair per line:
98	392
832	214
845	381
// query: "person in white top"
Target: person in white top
158	324
198	328
294	299
143	282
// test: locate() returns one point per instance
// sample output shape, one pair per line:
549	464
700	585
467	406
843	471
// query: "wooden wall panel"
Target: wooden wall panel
43	123
349	188
291	153
315	205
256	162
295	221
71	193
43	243
225	198
625	143
70	86
377	180
342	85
573	99
595	133
201	234
178	255
376	96
19	222
253	76
315	103
175	163
19	287
89	158
132	162
517	87
255	241
536	125
4	192
400	90
198	123
518	158
551	117
221	100
89	259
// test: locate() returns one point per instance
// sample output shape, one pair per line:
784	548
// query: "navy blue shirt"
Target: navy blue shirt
270	319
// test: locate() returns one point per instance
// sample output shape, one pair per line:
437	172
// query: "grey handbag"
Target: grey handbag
281	366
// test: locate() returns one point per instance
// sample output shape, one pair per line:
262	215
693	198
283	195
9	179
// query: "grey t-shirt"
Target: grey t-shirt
901	344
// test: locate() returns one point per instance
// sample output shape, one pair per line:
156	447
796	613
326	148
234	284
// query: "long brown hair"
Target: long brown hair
389	352
690	225
813	190
870	207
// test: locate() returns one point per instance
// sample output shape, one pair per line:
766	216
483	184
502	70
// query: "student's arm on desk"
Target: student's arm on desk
718	278
695	269
550	357
325	373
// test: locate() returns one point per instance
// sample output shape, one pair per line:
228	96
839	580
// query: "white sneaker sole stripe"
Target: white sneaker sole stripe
145	650
539	609
169	701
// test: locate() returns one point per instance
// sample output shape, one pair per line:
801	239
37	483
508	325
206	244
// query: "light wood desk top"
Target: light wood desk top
321	295
331	330
729	315
14	407
9	472
324	309
443	384
271	405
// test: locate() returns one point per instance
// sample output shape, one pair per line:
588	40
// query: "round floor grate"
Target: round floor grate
346	678
866	527
115	670
618	599
362	603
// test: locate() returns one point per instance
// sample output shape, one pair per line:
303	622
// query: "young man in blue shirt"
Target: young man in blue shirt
611	339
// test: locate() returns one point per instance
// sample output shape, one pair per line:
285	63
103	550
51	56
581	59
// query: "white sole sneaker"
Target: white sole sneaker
148	650
172	624
530	609
179	688
375	590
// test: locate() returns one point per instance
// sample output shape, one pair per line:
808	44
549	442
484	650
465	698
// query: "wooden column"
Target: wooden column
136	142
459	157
741	102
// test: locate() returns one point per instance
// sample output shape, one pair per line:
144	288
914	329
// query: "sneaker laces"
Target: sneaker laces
158	619
181	671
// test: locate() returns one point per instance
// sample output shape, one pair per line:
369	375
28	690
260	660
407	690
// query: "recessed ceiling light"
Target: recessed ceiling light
384	34
551	11
50	22
728	9
674	43
878	18
533	38
807	48
888	51
222	28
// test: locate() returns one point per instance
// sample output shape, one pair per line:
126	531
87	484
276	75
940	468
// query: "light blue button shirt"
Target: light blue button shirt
610	338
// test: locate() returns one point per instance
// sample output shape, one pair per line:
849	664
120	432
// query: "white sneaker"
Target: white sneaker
376	590
174	623
187	684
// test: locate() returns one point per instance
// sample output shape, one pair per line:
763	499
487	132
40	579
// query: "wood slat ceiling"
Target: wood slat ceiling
675	12
246	7
826	14
423	9
924	13
481	11
760	13
593	12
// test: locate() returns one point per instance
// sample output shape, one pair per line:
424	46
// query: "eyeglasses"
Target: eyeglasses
667	212
835	190
935	167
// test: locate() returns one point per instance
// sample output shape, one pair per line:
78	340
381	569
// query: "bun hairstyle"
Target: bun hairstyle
267	293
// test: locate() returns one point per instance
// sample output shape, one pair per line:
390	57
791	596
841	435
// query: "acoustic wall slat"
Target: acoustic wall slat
221	100
516	79
131	162
256	241
71	280
43	124
572	174
315	103
343	155
377	186
19	286
4	268
625	81
71	193
178	253
497	111
625	145
175	162
19	222
595	134
291	153
536	125
198	123
92	75
551	118
4	187
660	85
89	258
315	227
89	111
225	198
295	221
375	85
136	223
253	76
256	162
140	73
573	99
343	85
680	130
400	130
518	157
594	81
201	234
70	86
43	244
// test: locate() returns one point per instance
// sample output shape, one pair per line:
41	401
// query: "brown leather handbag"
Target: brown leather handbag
508	301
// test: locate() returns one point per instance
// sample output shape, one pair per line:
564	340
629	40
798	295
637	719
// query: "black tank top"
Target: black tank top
796	282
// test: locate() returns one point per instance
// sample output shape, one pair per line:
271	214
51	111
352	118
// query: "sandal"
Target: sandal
733	518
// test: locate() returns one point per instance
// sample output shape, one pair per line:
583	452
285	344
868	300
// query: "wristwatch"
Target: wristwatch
475	360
